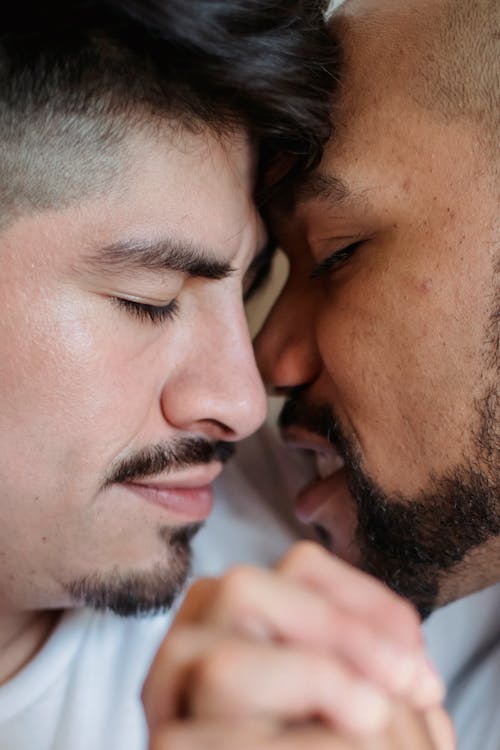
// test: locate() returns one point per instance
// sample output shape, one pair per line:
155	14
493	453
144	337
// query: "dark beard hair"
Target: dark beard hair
133	593
408	542
130	593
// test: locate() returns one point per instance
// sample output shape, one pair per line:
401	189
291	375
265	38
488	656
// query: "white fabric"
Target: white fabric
81	692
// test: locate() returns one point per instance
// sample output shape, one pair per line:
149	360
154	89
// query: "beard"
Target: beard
131	592
409	542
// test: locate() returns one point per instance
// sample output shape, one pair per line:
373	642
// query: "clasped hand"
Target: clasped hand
312	654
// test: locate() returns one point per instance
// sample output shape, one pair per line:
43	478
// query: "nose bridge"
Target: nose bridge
285	348
218	383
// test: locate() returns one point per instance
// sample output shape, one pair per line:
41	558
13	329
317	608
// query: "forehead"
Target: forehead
195	187
172	186
378	60
383	138
191	168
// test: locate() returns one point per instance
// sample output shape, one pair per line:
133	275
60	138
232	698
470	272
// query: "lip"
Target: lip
296	437
327	455
187	495
326	503
190	478
317	493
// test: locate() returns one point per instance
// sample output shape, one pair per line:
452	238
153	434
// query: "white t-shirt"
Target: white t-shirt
82	690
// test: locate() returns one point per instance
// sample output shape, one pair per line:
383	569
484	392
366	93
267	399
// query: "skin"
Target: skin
86	383
390	339
400	343
209	717
234	665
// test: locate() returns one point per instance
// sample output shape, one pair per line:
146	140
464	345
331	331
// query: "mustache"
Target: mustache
319	419
166	457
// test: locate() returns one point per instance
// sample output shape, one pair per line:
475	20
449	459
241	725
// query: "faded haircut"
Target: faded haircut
76	77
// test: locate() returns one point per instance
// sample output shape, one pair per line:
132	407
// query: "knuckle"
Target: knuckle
197	588
236	585
173	645
303	554
199	593
213	670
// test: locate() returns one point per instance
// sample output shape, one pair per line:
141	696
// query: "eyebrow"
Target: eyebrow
158	256
322	186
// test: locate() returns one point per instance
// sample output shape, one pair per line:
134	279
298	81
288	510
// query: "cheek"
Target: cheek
73	380
359	342
390	355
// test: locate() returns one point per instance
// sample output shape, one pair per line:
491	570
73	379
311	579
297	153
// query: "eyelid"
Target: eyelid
155	314
335	259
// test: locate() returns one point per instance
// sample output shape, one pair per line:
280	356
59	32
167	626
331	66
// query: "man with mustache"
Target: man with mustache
129	233
385	340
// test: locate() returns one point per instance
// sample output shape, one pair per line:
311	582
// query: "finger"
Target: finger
354	590
205	735
441	729
198	600
163	689
208	675
410	729
407	730
262	604
388	614
239	679
211	735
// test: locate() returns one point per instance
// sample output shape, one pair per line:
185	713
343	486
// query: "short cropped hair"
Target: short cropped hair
446	53
77	75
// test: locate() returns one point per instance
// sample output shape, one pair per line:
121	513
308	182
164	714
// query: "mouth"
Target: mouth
328	463
325	504
186	496
328	460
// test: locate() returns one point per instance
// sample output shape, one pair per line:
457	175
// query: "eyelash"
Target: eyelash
155	314
335	260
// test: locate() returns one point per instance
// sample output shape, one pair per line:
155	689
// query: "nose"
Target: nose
285	348
217	390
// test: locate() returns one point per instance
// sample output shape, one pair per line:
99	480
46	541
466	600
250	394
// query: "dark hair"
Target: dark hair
75	74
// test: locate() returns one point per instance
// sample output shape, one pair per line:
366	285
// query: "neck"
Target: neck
22	635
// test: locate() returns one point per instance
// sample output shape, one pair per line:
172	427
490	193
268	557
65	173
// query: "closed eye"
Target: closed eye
156	314
335	260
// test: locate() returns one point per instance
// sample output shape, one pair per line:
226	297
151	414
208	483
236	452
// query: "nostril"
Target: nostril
218	430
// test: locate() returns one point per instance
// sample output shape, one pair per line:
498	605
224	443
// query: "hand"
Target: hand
407	730
314	638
